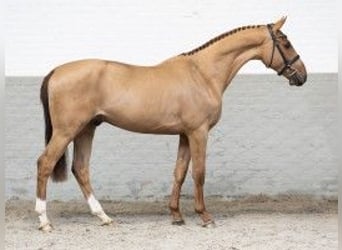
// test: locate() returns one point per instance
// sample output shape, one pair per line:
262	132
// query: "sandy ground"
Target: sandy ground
259	222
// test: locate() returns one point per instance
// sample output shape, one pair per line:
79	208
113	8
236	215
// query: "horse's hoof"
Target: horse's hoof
180	222
209	224
107	222
46	228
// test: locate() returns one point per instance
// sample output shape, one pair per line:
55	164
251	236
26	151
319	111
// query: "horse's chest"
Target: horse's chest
215	115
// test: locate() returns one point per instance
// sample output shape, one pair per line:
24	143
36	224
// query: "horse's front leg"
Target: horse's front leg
198	144
182	164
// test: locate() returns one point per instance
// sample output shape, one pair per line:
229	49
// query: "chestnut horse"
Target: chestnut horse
180	96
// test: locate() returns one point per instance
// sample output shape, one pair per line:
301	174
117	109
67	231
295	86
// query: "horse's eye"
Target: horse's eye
287	45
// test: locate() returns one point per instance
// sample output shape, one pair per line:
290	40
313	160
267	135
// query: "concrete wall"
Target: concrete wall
272	138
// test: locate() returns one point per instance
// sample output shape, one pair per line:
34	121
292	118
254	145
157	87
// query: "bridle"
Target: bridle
287	63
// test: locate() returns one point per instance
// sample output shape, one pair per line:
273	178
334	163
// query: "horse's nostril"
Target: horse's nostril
302	78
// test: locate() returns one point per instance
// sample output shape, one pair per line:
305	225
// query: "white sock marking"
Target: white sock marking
41	210
94	205
40	206
97	210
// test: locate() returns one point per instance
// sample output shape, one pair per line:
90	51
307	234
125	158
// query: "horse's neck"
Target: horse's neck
222	60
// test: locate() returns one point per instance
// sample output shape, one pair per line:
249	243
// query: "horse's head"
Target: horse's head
279	54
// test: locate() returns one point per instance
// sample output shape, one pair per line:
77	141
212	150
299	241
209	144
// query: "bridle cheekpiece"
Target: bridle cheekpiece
287	63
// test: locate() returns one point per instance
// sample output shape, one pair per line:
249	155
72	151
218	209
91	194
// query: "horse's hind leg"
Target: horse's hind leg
80	169
181	168
46	162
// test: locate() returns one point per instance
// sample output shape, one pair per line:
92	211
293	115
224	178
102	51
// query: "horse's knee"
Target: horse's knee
199	176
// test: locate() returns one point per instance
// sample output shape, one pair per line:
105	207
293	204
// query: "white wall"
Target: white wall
42	34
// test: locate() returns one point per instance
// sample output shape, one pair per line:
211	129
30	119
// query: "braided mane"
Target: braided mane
218	38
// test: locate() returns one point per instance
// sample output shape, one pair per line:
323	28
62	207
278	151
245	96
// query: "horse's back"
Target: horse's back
84	76
86	67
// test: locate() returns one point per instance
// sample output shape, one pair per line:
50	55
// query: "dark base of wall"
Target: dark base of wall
261	204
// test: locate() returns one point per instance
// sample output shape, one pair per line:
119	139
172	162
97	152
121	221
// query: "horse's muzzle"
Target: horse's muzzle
297	79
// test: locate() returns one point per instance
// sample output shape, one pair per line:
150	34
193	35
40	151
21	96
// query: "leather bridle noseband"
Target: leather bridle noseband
287	63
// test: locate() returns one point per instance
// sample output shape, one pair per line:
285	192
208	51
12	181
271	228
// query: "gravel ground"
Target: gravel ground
253	223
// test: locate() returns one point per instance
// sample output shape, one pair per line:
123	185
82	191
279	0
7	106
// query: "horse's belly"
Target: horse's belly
156	124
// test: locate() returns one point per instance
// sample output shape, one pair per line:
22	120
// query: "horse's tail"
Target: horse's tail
59	173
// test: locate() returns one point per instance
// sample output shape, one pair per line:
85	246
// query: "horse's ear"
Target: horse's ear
278	24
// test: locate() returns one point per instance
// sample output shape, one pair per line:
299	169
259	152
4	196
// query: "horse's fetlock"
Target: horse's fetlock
199	209
173	207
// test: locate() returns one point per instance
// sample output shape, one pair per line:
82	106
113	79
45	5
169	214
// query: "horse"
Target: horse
179	96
